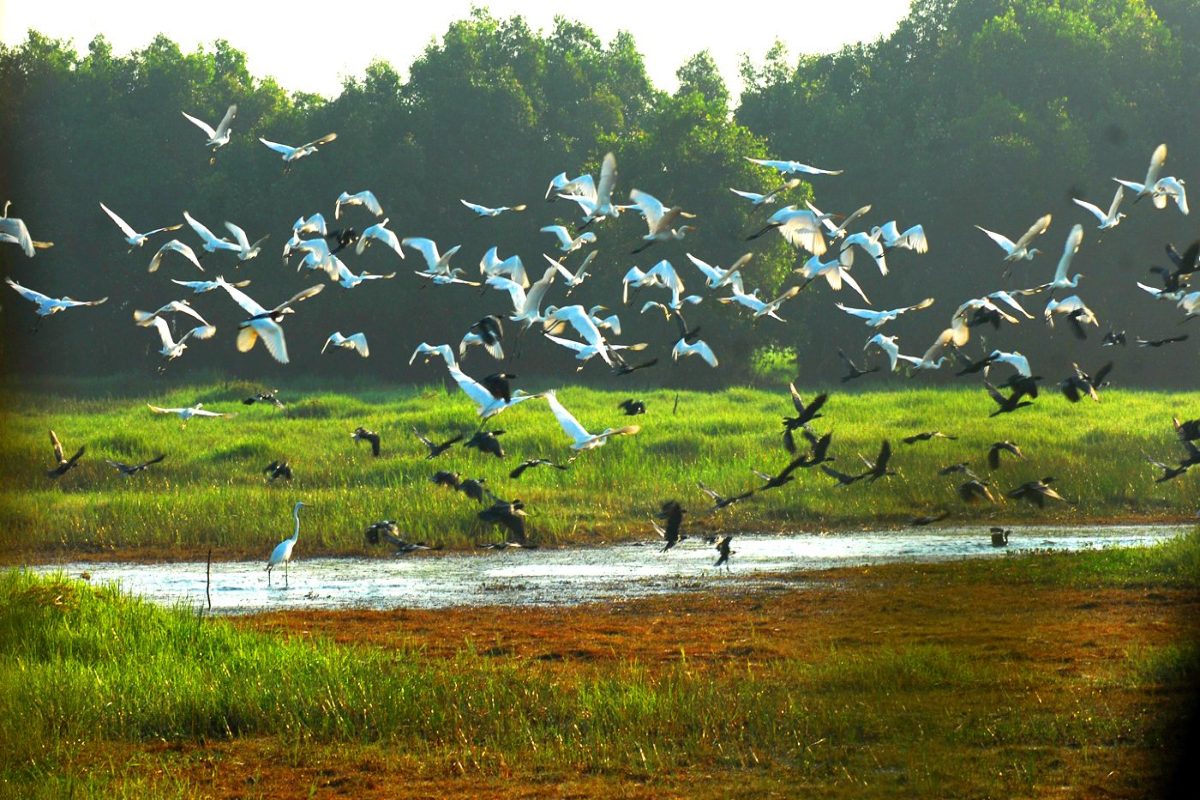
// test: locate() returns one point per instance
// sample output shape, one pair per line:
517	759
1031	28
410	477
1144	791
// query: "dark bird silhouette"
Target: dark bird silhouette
723	550
264	397
974	367
974	490
133	469
1006	404
1036	492
842	478
720	502
474	488
1160	342
277	470
626	369
785	476
954	469
926	436
993	456
535	462
388	532
804	413
928	519
1188	431
1169	472
490	331
511	516
1022	385
853	370
445	478
1080	383
878	469
498	386
486	442
344	238
1193	456
818	447
1185	264
632	407
361	434
673	513
436	450
999	537
62	465
1113	338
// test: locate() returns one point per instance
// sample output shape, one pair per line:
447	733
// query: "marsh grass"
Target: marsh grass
86	668
210	493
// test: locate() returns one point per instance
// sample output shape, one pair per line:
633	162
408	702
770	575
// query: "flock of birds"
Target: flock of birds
591	332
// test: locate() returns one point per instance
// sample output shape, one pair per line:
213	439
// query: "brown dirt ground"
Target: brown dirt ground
1062	633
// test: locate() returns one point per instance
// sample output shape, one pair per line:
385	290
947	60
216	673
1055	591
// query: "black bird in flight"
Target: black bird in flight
1169	472
1160	342
1036	492
1188	431
361	434
498	385
626	369
62	465
133	469
853	370
926	436
278	470
1006	404
993	456
720	502
1080	383
632	407
1114	337
436	450
975	490
673	513
445	478
511	516
841	477
474	488
486	442
535	462
784	476
878	469
264	397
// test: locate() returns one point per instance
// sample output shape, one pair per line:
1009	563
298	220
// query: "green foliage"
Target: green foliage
210	490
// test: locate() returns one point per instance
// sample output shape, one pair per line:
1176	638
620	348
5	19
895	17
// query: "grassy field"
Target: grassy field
210	493
1036	675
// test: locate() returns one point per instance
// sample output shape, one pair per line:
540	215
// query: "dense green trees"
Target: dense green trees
987	112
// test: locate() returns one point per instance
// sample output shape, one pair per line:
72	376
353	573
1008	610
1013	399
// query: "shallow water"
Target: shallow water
571	576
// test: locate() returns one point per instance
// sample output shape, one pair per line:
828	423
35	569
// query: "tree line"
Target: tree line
975	112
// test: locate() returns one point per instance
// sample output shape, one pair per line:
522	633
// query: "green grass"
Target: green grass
82	666
209	493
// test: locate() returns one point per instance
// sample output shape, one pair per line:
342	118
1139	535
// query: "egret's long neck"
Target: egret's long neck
296	515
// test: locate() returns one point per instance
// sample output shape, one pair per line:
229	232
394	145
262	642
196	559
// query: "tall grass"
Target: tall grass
209	491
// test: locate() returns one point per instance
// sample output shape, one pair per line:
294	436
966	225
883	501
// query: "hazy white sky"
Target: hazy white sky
310	45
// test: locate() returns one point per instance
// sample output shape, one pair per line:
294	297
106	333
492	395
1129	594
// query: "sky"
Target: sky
311	45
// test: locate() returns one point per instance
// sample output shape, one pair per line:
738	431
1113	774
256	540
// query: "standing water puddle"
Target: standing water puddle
571	576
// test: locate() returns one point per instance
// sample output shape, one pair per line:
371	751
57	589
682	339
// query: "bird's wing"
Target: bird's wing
164	331
650	206
334	339
566	421
279	148
1096	211
382	234
561	233
1157	159
272	337
370	202
864	313
1002	240
223	125
28	294
752	196
709	270
239	235
299	296
326	139
1116	202
360	344
208	236
202	125
1035	230
122	224
1074	239
57	445
608	177
482	211
158	410
853	284
426	247
248	305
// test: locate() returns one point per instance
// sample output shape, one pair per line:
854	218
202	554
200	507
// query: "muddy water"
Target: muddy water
571	576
